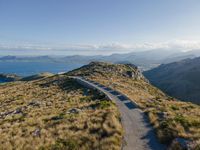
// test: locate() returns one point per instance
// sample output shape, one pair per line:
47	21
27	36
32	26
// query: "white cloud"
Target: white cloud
183	45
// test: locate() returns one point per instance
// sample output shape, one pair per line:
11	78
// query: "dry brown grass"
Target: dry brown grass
39	115
170	117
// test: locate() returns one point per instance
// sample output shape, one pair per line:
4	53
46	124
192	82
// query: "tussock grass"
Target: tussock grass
56	113
170	117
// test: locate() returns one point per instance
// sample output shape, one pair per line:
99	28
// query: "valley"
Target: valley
178	79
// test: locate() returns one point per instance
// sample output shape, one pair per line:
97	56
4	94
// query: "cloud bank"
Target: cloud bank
183	45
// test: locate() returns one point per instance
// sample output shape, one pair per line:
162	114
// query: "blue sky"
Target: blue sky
57	26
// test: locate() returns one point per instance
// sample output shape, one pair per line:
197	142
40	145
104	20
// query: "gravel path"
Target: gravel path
139	135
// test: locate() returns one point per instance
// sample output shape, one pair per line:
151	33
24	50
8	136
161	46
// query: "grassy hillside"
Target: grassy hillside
179	79
56	113
173	119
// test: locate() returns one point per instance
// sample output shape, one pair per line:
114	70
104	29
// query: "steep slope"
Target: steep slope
179	79
173	120
56	113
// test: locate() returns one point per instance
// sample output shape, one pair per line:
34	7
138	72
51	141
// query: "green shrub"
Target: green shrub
104	104
197	147
173	107
62	144
85	99
182	120
195	123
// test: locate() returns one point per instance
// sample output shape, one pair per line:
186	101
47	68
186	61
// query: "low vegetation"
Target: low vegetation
174	120
56	113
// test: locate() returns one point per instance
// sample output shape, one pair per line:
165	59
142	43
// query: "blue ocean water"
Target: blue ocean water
30	68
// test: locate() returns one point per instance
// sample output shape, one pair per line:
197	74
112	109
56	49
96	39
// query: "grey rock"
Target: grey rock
37	132
130	74
183	144
74	111
18	110
34	103
162	115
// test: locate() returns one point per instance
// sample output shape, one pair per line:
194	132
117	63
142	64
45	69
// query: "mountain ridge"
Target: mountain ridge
179	79
144	60
173	120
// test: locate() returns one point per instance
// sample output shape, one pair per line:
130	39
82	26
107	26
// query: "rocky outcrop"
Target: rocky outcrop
183	144
9	77
109	69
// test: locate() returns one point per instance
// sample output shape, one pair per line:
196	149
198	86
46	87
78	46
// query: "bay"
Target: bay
31	68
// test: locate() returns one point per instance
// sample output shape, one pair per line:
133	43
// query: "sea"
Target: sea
31	68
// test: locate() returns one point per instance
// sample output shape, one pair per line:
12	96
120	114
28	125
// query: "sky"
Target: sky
66	27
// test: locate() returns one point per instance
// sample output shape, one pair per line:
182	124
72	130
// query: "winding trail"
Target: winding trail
139	134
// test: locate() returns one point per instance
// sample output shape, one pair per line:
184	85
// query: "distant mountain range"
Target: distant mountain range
144	60
179	79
